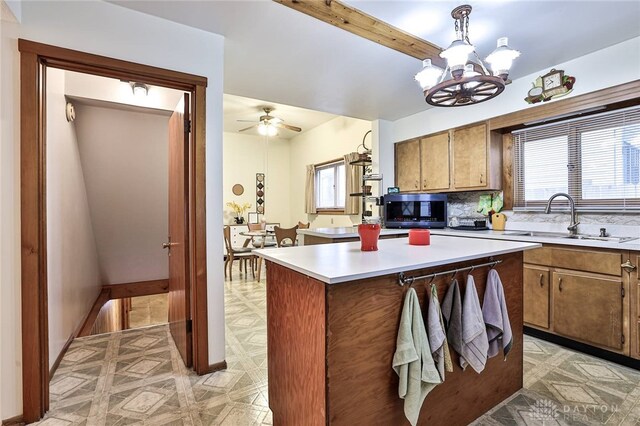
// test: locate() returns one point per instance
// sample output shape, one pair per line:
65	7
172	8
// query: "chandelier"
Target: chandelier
465	81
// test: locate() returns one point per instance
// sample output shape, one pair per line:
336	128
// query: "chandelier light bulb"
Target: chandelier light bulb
457	54
501	59
429	75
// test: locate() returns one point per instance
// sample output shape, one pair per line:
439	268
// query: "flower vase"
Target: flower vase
239	220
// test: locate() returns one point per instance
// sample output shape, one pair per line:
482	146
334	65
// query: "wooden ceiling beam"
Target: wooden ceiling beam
355	21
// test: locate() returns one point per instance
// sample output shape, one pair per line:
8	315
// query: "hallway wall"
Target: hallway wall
72	261
105	29
125	158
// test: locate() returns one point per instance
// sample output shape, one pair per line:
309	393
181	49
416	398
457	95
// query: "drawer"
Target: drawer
600	262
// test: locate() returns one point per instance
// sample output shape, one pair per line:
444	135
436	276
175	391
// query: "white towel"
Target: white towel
475	344
496	316
412	360
437	337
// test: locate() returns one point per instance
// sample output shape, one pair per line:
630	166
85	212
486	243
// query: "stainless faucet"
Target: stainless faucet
573	226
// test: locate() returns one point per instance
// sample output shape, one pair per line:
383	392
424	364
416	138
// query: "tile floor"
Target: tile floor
137	377
148	310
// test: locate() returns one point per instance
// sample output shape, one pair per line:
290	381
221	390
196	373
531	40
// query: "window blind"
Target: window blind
595	159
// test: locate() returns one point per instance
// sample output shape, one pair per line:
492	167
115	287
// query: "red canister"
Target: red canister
419	237
369	233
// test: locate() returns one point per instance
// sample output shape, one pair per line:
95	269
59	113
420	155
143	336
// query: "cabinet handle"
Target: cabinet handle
628	266
481	177
560	283
417	184
541	280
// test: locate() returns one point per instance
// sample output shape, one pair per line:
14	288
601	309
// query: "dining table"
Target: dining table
263	234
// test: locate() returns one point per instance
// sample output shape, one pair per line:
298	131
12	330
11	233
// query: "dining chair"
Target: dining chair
260	242
303	225
283	234
241	254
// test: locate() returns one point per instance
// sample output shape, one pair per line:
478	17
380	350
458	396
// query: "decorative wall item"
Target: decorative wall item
237	189
260	188
253	217
553	84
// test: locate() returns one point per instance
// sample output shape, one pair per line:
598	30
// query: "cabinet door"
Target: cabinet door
588	308
470	157
408	165
434	160
536	296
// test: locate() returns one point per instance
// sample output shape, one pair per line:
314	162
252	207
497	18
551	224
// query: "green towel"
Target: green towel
413	361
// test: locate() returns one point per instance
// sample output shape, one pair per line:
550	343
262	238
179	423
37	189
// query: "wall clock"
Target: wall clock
552	84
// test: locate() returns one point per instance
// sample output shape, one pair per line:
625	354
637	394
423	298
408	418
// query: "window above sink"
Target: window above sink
595	159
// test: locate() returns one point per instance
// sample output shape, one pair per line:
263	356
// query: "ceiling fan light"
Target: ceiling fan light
263	129
429	75
457	54
272	130
501	59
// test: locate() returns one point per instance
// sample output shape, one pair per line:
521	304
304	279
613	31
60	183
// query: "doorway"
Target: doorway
187	281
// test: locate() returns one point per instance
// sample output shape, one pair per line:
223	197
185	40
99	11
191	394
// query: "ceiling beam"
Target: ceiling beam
355	21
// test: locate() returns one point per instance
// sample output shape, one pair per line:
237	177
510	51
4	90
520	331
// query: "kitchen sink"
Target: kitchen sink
565	235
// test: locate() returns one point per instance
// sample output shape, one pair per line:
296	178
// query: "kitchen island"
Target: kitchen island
333	314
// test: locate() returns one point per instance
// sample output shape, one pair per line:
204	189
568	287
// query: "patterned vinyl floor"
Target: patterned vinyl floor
137	377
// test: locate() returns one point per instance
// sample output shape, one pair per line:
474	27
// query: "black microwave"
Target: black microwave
415	210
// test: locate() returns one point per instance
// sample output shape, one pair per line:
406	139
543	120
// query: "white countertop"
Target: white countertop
346	232
633	245
350	232
341	262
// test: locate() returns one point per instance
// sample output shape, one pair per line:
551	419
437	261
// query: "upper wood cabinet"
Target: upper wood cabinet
434	162
408	165
464	159
477	158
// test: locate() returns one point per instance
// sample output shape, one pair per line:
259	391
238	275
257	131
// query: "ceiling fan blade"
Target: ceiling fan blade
250	127
286	126
355	21
247	121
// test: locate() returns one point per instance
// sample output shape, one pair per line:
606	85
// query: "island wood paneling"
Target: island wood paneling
363	319
296	345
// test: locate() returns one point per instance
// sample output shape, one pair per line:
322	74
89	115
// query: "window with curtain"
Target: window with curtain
595	159
330	187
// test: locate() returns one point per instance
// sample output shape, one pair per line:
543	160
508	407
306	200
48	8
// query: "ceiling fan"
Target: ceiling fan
268	125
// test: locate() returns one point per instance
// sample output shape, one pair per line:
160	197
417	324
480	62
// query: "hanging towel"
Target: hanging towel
496	316
475	344
437	337
413	361
452	312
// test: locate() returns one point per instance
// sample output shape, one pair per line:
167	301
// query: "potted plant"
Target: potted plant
239	210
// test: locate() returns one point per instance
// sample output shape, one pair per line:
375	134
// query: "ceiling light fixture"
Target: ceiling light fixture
139	89
266	128
466	80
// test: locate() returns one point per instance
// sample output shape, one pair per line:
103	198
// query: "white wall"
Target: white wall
10	333
109	30
73	274
246	155
126	169
328	141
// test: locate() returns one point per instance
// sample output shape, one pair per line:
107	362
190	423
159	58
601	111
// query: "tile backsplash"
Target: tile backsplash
465	204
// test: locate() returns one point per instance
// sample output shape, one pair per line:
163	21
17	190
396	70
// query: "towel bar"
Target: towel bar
402	279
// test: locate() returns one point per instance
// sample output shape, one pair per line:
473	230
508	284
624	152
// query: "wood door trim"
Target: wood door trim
136	289
73	60
33	56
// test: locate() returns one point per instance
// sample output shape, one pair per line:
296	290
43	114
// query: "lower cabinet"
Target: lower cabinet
585	295
589	308
536	295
